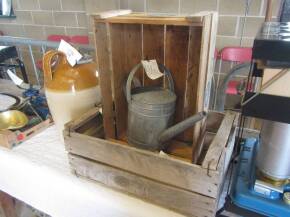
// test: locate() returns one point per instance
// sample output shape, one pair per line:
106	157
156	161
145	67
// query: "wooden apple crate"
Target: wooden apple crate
188	176
167	179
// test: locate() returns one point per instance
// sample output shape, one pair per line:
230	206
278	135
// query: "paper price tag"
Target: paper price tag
16	80
151	69
72	55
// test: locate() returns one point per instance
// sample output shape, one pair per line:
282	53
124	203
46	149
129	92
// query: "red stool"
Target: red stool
237	55
57	38
80	39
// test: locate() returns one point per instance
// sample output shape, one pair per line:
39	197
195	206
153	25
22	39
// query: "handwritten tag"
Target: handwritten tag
151	69
72	54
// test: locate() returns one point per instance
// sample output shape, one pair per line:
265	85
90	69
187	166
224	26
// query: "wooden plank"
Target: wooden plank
176	54
179	149
220	141
201	83
145	163
103	53
111	13
192	76
210	59
7	205
229	149
198	146
213	121
125	39
155	20
179	200
280	87
78	122
5	138
206	141
153	48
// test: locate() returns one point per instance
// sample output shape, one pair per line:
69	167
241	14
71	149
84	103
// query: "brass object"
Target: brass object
12	119
271	180
286	197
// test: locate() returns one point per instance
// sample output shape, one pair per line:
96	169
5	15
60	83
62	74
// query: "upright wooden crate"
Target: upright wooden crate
185	45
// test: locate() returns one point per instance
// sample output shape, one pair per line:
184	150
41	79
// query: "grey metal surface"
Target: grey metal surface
34	66
150	113
274	152
34	42
148	118
180	127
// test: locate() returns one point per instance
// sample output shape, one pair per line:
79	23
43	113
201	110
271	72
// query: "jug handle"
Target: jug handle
134	70
47	58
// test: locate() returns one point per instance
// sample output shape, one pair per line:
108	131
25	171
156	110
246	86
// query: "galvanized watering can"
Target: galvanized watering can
150	113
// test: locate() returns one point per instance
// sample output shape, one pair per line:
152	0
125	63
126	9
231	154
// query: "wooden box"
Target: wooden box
167	179
10	139
185	45
188	176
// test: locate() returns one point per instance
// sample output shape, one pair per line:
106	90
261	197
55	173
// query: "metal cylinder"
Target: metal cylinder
273	157
146	122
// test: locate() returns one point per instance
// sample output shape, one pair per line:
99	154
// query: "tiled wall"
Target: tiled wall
40	18
231	19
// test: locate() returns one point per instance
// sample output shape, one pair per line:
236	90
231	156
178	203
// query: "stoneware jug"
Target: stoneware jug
70	91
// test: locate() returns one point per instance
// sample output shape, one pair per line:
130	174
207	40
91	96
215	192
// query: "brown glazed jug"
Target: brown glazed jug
70	91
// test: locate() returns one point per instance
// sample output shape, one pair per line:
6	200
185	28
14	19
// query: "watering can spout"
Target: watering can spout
180	127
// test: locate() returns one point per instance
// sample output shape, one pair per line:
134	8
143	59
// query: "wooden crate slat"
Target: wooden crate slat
126	42
161	168
105	69
176	52
153	48
190	100
154	20
220	141
211	57
74	124
186	202
201	83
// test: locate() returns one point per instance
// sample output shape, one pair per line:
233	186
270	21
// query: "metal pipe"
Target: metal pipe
38	43
180	127
34	67
221	93
42	50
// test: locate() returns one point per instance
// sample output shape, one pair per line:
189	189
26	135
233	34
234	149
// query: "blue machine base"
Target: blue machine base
242	193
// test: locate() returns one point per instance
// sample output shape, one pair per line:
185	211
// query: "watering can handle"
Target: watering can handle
47	58
134	70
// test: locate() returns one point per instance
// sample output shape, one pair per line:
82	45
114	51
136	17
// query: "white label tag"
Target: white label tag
72	55
16	80
151	69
